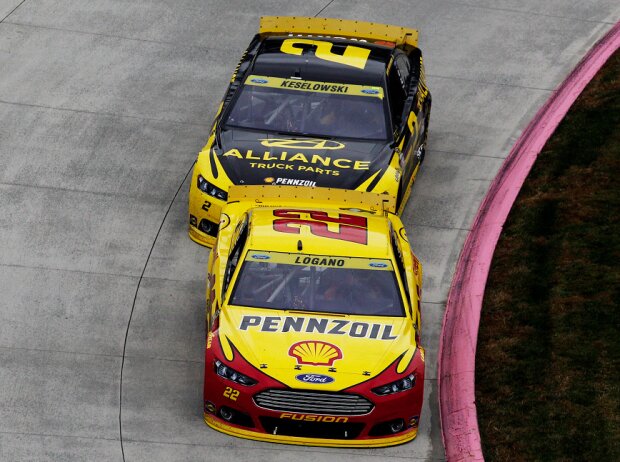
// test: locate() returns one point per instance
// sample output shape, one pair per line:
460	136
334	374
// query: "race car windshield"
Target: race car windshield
309	108
342	285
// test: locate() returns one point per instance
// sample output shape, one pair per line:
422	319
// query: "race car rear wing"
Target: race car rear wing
338	28
276	195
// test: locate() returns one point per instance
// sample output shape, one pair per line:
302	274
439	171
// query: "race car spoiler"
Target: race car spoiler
276	195
337	28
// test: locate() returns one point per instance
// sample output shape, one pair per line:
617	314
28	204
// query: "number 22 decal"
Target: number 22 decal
231	393
351	228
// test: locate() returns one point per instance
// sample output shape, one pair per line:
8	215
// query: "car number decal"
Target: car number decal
351	228
353	56
231	393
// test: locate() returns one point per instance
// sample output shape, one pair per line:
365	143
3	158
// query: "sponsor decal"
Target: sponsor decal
270	179
298	161
370	91
313	325
295	182
313	418
316	353
301	144
375	264
259	81
260	256
319	379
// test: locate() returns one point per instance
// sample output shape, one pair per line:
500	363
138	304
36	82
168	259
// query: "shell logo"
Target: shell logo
315	352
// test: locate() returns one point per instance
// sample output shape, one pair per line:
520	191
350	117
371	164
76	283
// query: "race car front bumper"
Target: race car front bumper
220	425
264	412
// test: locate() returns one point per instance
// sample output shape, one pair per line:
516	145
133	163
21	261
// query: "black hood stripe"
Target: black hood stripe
214	168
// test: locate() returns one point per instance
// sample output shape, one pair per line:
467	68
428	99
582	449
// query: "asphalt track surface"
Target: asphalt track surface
103	108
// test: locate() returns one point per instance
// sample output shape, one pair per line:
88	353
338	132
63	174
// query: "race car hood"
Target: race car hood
258	158
315	350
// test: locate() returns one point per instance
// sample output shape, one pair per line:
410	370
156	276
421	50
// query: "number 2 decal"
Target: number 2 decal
351	227
352	56
231	393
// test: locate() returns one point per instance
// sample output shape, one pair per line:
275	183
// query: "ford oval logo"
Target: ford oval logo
370	91
260	256
315	378
377	265
258	81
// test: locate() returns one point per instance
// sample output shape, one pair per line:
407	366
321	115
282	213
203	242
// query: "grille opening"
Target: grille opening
313	402
326	430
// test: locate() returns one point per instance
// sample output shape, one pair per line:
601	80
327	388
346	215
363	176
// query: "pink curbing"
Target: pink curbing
457	347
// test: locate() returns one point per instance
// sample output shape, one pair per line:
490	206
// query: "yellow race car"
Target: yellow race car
316	102
313	320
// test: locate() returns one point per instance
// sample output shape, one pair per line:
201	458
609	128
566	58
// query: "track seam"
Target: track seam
486	82
104	114
133	306
111	36
120	37
12	11
531	13
324	8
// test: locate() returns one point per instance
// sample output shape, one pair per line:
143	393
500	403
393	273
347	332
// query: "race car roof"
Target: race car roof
369	241
271	61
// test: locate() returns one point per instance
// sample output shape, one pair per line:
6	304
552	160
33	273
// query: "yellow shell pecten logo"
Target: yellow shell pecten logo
315	352
301	144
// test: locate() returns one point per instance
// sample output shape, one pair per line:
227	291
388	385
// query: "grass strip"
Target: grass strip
548	357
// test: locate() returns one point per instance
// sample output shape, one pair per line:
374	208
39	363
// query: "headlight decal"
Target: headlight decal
404	384
231	374
211	189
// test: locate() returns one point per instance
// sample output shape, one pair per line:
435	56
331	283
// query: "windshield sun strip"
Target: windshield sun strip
315	86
